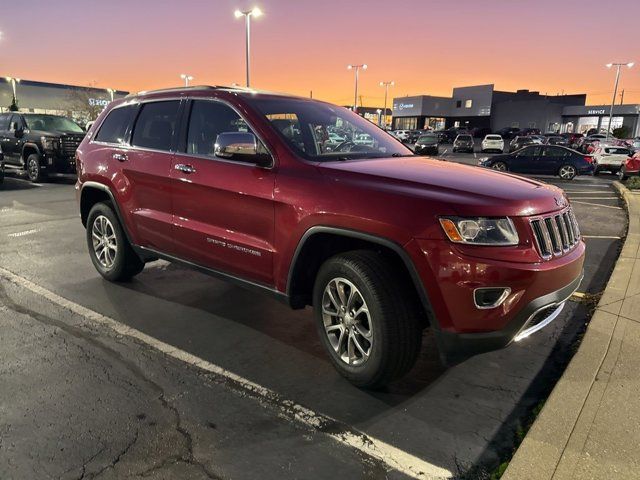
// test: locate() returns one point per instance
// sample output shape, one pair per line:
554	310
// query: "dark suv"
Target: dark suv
248	186
39	144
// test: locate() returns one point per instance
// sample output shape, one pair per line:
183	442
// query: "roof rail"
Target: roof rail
177	89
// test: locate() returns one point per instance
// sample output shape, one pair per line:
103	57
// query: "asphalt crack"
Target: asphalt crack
187	457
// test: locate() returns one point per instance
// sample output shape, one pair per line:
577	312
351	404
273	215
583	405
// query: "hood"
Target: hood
467	190
55	133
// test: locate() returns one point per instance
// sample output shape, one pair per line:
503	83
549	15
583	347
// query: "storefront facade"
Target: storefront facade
80	103
581	119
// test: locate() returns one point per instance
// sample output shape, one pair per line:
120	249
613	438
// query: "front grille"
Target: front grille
69	144
555	234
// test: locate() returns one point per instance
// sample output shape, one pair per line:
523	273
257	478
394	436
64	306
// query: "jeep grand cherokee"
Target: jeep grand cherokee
381	243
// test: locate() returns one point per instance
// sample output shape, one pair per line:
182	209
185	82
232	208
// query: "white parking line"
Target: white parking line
596	205
23	233
593	198
393	457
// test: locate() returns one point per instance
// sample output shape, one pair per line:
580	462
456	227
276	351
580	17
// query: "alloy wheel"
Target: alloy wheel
33	169
567	172
105	244
500	166
347	322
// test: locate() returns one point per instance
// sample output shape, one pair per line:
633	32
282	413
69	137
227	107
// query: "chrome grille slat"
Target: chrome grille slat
555	234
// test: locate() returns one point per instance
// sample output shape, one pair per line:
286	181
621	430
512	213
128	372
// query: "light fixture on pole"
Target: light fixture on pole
386	86
187	78
111	92
254	12
357	68
615	89
13	81
379	112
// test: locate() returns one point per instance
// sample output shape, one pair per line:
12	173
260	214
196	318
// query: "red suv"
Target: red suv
280	194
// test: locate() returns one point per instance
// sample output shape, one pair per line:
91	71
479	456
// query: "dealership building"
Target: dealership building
80	103
482	106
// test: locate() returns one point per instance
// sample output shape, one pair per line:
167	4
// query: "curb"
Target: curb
553	446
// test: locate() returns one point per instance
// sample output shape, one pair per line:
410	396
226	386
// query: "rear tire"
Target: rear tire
388	327
109	249
567	172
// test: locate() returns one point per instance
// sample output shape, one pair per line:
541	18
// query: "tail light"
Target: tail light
588	158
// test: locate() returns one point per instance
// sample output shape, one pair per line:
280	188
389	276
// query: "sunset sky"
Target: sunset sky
426	47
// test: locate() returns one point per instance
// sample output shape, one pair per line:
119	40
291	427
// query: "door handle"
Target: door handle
181	167
121	157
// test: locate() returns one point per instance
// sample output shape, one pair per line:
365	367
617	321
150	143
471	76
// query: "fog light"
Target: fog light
492	297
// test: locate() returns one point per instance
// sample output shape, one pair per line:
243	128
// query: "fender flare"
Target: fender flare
107	190
382	241
30	145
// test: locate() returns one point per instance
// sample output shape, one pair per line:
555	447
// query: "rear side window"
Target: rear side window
115	126
155	125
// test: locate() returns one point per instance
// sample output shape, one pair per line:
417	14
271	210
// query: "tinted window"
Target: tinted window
4	122
555	152
529	152
207	121
15	121
155	125
114	127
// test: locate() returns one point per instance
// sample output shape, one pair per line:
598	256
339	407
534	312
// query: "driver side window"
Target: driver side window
209	119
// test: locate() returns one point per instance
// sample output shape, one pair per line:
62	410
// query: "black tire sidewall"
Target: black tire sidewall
118	270
357	374
34	157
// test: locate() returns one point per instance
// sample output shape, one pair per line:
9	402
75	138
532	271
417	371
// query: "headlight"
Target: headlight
480	230
49	143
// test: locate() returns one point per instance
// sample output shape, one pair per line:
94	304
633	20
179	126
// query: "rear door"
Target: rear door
146	164
223	210
551	159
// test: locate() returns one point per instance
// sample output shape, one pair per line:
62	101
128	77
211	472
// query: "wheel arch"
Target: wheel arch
28	149
322	242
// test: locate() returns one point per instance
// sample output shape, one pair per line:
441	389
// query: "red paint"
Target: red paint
248	221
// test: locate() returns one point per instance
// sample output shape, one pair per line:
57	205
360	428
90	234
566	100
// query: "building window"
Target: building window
458	103
468	103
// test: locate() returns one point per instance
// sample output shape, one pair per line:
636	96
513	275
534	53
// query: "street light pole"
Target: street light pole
111	92
13	82
386	86
357	68
615	90
187	78
254	12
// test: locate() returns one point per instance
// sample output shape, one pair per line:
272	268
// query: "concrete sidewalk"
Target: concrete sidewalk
589	427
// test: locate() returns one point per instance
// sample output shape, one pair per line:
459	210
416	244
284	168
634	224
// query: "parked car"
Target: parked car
427	145
572	138
585	144
630	167
609	158
414	135
518	142
1	166
529	131
556	140
492	143
508	132
212	179
463	143
446	136
401	134
39	144
542	160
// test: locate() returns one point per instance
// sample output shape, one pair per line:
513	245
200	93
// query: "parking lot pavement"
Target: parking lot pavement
88	387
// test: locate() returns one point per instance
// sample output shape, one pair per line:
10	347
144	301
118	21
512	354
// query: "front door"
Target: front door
525	160
223	210
12	144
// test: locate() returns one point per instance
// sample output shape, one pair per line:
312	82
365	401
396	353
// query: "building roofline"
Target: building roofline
36	83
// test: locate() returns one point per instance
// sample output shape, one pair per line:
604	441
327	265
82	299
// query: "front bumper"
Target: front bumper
457	347
56	163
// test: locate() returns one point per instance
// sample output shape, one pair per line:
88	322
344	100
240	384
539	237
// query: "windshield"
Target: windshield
50	123
324	132
425	139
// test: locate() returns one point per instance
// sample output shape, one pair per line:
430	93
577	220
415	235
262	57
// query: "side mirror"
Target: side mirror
242	147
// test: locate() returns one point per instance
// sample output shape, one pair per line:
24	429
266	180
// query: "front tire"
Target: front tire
500	166
32	167
109	248
368	317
